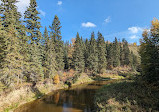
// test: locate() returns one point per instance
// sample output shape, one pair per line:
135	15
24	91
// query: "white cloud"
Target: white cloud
134	37
88	24
42	13
22	5
135	30
59	3
108	19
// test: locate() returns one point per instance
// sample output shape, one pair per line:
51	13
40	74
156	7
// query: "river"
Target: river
75	99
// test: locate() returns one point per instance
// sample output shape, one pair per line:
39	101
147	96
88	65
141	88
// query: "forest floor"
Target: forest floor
127	96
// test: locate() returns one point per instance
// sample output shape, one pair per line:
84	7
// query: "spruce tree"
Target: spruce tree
51	57
70	53
56	33
78	55
13	63
109	55
2	43
102	62
121	54
116	53
86	53
45	55
126	52
66	58
34	36
93	55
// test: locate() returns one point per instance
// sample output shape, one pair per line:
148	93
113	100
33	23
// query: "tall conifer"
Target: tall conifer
56	33
33	31
102	62
116	53
78	55
13	64
93	55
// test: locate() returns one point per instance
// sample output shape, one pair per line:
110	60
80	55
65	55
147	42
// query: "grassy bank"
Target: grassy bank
127	96
26	93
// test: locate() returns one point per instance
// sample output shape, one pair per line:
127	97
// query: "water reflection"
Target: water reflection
77	99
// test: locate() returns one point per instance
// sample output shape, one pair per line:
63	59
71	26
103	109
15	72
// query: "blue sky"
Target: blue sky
113	18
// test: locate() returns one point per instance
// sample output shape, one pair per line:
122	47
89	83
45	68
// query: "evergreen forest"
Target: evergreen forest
29	56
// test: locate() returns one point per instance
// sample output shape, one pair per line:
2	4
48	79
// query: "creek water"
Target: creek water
75	99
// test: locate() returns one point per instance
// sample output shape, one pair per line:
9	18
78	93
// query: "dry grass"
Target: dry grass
25	94
116	73
83	78
15	97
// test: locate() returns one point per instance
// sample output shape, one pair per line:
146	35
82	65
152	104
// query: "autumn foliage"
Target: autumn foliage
56	79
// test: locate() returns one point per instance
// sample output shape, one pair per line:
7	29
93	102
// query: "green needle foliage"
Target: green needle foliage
102	61
149	52
116	53
78	55
56	33
34	36
109	48
12	64
93	55
28	56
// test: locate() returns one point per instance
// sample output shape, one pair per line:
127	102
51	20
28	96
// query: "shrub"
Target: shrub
56	79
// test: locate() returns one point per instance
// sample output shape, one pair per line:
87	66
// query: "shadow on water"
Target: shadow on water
75	99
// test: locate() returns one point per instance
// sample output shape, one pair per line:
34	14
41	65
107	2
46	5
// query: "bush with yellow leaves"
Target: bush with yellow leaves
56	79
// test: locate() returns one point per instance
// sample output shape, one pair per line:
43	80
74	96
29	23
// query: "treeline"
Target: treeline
27	55
98	55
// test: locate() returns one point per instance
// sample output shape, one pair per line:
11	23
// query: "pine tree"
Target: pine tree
13	63
33	28
121	54
86	53
109	48
93	55
126	52
51	57
116	53
2	43
102	62
45	51
66	58
70	53
56	33
78	55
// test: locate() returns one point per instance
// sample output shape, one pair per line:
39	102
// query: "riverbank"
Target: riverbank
127	96
26	93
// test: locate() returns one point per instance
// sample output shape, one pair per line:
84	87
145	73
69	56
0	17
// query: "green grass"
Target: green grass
82	78
12	107
127	96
